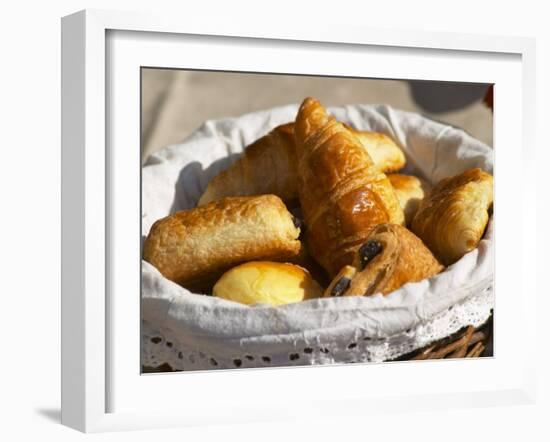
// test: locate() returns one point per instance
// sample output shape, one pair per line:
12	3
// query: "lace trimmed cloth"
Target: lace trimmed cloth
194	332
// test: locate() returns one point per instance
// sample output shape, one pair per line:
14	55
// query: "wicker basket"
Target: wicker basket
207	147
468	342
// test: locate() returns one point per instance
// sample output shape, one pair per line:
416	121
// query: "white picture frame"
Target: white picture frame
91	181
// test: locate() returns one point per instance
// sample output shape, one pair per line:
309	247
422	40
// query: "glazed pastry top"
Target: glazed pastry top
268	165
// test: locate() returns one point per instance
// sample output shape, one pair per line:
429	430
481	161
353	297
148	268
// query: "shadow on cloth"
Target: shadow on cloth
193	179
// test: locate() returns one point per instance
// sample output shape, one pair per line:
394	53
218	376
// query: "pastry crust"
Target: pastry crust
390	257
268	283
341	282
410	191
387	155
194	247
269	165
342	194
452	219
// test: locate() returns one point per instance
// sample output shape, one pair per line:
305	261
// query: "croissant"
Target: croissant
266	167
390	257
342	193
194	247
387	155
452	219
269	165
410	191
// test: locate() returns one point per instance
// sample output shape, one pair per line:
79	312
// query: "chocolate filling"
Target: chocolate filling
368	251
341	286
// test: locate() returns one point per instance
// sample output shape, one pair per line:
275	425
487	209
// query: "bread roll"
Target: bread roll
267	283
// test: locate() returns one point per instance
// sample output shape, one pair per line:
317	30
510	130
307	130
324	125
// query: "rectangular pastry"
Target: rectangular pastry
194	247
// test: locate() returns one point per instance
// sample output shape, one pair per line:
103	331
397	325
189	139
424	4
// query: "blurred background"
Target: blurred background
176	102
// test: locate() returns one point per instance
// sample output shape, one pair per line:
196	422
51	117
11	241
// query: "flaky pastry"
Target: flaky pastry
269	165
452	219
390	257
194	247
343	195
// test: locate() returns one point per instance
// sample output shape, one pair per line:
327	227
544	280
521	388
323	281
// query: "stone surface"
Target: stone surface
174	102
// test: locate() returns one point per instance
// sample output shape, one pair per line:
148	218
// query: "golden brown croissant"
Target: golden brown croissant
387	155
342	194
269	165
267	282
266	167
452	219
390	257
194	247
410	191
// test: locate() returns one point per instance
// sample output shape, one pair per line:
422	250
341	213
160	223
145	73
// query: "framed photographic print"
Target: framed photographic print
250	212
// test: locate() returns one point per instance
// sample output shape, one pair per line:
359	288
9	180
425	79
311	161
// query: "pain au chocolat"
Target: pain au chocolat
194	247
390	257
